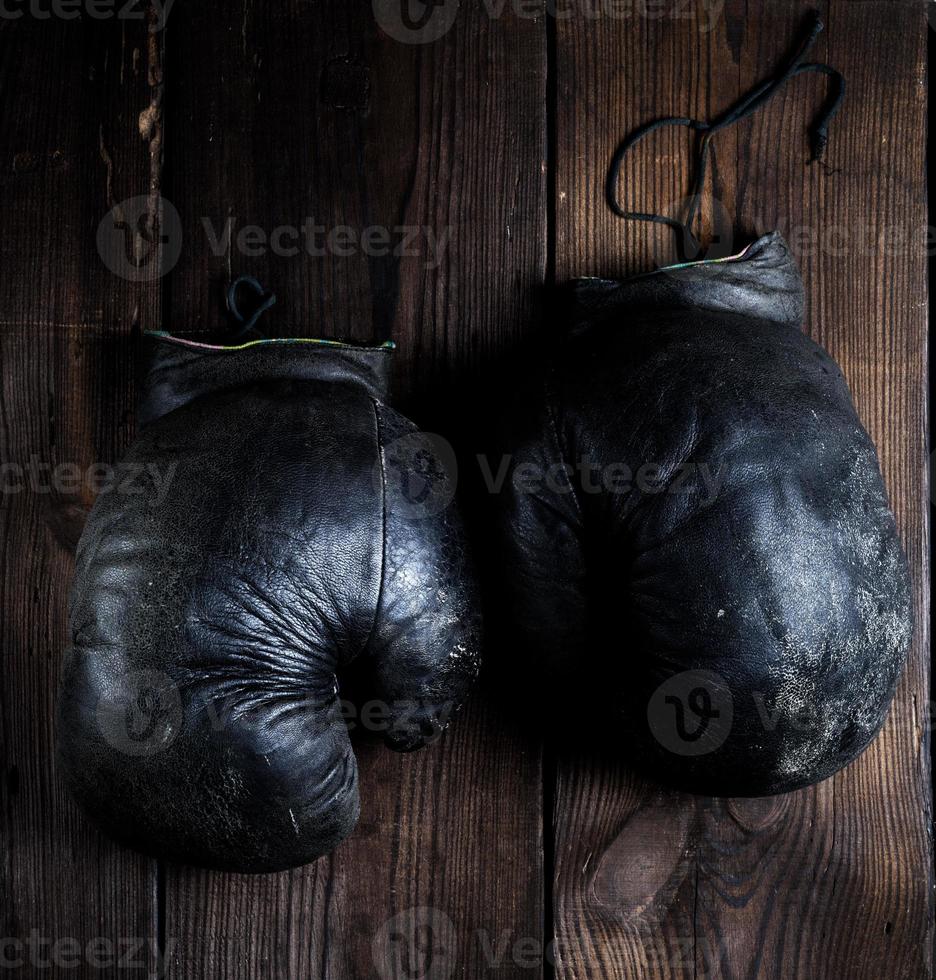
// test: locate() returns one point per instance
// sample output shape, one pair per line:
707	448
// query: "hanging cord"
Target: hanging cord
748	105
245	324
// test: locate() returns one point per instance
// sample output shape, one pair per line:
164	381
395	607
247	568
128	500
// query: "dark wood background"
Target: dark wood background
498	855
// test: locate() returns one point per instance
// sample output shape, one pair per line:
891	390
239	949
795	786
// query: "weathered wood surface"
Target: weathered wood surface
833	881
272	115
71	903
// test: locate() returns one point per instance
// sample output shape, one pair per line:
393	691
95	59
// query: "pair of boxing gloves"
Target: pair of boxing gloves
693	545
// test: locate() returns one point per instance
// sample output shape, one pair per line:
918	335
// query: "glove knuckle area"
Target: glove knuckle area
423	653
238	776
199	718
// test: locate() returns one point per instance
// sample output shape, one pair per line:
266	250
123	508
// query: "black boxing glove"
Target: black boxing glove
274	521
695	525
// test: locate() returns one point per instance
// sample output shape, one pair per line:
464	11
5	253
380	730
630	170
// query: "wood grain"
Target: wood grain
70	96
281	113
834	880
274	114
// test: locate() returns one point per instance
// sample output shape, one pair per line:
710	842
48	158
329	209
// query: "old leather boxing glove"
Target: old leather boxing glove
695	531
284	523
695	524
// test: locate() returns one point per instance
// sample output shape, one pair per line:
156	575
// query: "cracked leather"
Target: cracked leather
697	547
267	545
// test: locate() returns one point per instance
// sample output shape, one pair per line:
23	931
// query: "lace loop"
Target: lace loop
246	324
746	106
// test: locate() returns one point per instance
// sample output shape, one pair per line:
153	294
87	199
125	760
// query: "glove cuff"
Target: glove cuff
177	368
762	282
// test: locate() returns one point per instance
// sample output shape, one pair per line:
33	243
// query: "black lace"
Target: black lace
749	104
245	325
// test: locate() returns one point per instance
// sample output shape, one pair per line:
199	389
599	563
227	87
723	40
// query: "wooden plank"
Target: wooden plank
70	96
834	880
281	113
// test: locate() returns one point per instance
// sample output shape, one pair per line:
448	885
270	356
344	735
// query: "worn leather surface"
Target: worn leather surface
200	715
739	633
